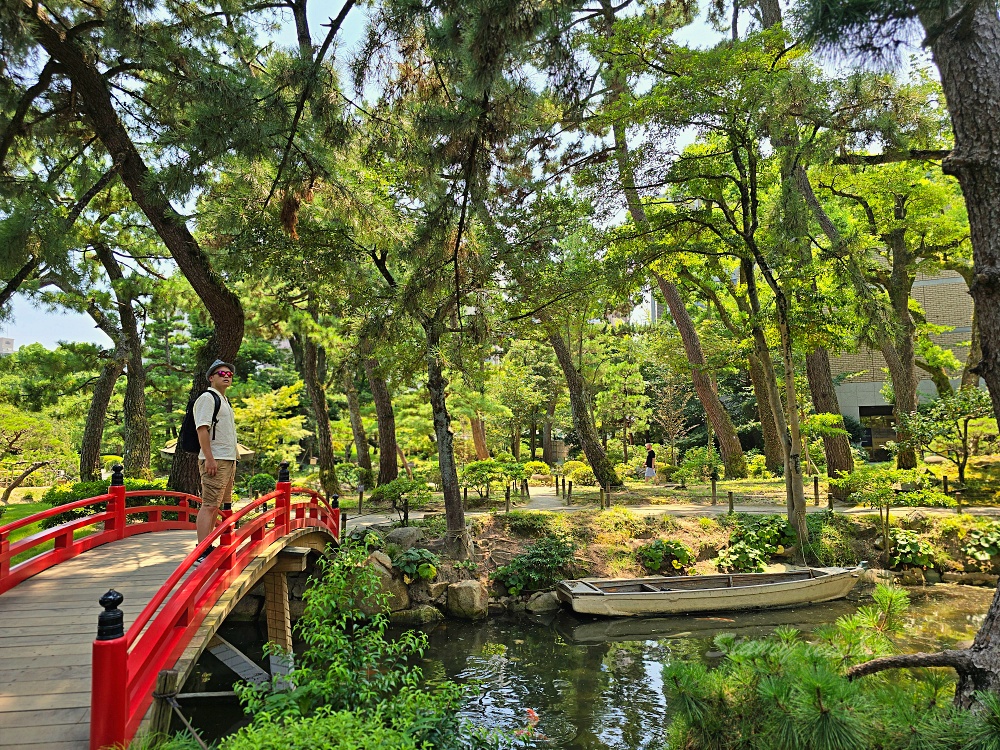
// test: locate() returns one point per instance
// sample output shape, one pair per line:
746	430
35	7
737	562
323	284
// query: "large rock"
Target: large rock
389	582
912	577
425	592
404	537
543	601
468	600
971	579
932	576
422	614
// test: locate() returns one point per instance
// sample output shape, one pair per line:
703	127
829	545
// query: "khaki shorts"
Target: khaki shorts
217	490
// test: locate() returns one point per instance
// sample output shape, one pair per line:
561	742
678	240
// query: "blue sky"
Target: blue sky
30	322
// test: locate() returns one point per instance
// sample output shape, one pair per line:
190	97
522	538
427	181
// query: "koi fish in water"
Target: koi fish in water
532	720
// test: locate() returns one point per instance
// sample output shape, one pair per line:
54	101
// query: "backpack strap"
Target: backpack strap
215	413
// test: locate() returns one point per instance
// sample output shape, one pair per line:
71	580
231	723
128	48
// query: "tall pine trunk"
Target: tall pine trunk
478	427
94	97
839	458
768	427
454	511
136	418
548	447
357	426
384	418
93	429
583	420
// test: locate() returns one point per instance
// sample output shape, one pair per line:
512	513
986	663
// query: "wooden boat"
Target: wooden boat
676	595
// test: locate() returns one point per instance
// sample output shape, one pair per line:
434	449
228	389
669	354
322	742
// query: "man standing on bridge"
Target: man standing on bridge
213	417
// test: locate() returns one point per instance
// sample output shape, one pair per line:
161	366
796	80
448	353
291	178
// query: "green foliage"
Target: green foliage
483	474
752	541
909	549
757	466
927	497
260	484
537	467
699	462
793	694
983	543
269	425
68	493
740	557
583	476
525	522
665	555
570	466
353	687
538	567
946	428
402	490
418	562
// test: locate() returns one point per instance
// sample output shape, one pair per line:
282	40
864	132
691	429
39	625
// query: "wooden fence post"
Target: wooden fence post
714	495
816	489
569	492
732	500
506	498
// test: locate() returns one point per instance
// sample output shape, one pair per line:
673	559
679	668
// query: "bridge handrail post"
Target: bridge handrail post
284	499
109	676
117	504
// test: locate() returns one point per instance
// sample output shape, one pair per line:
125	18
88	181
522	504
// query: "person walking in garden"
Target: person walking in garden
650	463
217	459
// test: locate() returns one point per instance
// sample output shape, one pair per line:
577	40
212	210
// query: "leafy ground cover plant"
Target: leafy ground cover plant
752	541
417	562
909	549
525	522
539	567
982	544
665	555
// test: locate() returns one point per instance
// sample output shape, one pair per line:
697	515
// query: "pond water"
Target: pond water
596	683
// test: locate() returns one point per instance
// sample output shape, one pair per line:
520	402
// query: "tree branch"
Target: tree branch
961	661
913	154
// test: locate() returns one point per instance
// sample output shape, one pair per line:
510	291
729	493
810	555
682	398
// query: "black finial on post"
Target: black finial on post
335	501
111	622
117	477
283	475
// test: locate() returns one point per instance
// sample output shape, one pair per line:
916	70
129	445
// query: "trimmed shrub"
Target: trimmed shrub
570	466
583	476
537	467
69	493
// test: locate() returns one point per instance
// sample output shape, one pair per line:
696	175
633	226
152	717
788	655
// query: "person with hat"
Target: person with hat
213	417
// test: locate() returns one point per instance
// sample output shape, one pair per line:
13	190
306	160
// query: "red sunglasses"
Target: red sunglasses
224	373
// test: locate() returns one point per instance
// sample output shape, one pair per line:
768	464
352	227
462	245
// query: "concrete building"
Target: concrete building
6	347
945	300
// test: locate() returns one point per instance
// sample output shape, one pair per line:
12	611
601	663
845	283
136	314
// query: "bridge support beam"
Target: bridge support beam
279	618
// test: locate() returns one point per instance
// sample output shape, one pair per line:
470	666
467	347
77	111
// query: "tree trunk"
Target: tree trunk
222	304
548	447
309	369
729	443
583	420
942	383
357	426
515	441
136	418
19	479
968	57
768	427
478	427
384	417
454	512
533	435
970	373
93	430
839	458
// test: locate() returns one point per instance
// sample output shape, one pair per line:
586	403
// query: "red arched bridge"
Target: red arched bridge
61	688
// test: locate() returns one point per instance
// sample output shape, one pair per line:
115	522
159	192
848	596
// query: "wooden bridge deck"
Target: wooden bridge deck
47	628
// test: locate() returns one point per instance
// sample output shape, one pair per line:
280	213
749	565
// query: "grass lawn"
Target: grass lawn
15	512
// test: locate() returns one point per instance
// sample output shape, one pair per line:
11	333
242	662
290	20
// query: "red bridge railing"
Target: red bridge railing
125	665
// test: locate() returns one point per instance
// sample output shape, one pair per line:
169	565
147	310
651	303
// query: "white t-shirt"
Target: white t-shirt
224	440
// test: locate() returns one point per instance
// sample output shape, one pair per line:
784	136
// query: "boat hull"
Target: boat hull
586	598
